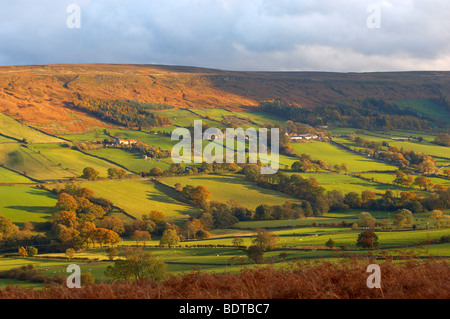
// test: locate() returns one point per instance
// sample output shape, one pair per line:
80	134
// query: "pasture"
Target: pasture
133	162
7	176
26	204
141	197
71	160
11	127
233	187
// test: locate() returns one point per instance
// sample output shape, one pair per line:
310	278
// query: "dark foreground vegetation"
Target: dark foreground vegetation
346	280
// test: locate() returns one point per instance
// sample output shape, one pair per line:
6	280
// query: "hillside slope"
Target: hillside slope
38	95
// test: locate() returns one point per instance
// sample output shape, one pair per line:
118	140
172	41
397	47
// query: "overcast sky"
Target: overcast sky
256	35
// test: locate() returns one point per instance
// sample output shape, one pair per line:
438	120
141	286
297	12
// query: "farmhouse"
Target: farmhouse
122	141
294	136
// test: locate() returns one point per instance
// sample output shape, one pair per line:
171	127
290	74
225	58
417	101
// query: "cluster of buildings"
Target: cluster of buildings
122	141
307	136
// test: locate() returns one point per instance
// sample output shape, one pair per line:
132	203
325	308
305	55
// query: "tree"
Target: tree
200	195
202	234
104	236
368	195
115	173
330	243
138	265
66	218
32	251
70	253
7	229
66	202
423	182
90	173
111	253
22	251
169	238
112	223
367	239
255	253
403	217
402	179
344	167
265	239
141	236
156	171
365	219
443	139
447	172
238	241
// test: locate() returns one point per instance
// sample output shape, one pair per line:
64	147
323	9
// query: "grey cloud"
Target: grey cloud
230	34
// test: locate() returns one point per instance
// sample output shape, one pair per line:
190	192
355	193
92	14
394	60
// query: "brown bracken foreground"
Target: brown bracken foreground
345	280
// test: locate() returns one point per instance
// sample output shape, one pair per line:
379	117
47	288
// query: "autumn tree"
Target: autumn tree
169	238
22	252
156	171
141	236
200	195
366	219
90	173
68	219
70	253
423	182
116	173
447	172
66	202
7	229
112	223
367	239
265	239
403	217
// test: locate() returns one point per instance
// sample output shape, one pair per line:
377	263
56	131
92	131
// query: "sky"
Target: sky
245	35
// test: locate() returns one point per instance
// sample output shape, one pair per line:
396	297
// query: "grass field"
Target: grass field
133	162
332	155
90	136
141	197
72	160
230	186
22	204
162	142
10	127
348	183
36	165
7	176
425	107
388	178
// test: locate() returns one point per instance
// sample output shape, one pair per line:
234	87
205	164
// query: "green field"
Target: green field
162	142
30	162
348	183
90	136
425	107
388	178
133	162
141	197
7	176
10	127
332	155
22	204
235	187
72	160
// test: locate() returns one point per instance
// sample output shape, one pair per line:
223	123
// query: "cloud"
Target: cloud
321	35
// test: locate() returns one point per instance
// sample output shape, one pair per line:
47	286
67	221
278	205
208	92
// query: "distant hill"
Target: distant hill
40	95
